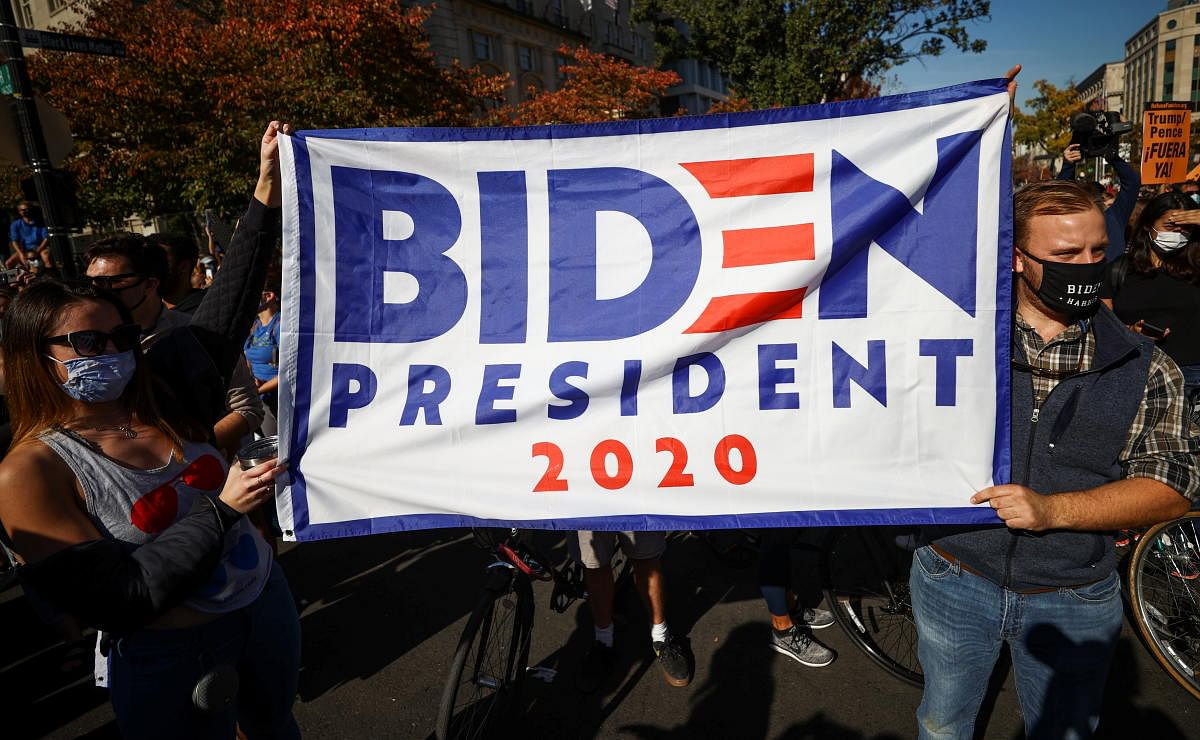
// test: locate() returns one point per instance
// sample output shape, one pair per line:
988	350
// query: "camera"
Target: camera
1096	131
8	277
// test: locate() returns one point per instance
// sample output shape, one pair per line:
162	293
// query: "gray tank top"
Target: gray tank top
135	506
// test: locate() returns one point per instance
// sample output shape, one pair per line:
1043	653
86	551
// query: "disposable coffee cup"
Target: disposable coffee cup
258	452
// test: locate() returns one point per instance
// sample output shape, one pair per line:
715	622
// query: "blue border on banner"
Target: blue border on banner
842	109
660	522
1002	449
305	532
304	352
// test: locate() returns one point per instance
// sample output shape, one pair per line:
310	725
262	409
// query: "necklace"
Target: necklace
127	431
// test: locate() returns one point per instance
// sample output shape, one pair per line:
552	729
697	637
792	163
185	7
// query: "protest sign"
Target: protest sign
783	317
1166	133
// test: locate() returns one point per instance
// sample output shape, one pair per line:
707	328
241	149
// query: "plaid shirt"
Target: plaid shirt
1162	443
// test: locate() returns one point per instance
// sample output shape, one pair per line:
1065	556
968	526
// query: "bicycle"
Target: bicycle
492	658
867	590
1163	577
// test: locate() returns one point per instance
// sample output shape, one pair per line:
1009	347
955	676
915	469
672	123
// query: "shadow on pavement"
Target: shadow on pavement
43	688
1124	712
736	699
364	602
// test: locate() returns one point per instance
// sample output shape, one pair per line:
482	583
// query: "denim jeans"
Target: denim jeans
152	672
1061	644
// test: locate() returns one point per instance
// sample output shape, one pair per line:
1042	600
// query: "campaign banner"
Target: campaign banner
1166	134
797	316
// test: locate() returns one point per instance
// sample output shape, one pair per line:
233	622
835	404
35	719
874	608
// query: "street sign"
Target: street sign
69	42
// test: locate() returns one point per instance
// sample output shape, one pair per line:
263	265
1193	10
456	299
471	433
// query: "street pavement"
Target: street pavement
381	617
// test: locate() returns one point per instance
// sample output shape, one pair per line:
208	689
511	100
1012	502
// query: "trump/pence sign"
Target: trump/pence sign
788	317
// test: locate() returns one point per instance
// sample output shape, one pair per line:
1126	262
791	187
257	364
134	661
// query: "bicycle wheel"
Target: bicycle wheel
1164	591
488	669
867	577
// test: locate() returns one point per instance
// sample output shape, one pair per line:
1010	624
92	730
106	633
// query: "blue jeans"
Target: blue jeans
1061	644
152	672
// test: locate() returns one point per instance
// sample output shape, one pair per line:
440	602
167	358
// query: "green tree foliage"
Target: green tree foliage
1048	123
173	125
792	52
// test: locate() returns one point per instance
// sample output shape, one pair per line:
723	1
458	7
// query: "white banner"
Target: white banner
784	317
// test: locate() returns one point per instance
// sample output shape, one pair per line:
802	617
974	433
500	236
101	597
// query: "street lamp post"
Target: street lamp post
33	143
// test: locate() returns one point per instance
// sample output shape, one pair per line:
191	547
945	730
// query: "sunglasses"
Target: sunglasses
92	342
106	282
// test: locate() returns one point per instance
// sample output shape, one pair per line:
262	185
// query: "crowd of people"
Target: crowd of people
130	394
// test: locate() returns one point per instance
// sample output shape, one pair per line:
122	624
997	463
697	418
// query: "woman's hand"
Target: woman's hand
247	489
1072	154
269	190
1183	218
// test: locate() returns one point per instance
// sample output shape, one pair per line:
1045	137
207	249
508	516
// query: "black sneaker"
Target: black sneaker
596	666
675	659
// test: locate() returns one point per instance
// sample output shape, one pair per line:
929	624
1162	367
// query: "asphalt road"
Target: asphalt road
381	617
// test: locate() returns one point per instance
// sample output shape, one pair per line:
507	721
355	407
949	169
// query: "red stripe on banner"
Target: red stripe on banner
726	178
768	245
733	311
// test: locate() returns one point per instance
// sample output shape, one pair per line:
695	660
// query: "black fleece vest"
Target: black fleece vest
1075	444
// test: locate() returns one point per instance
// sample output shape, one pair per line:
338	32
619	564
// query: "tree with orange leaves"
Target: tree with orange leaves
167	128
597	88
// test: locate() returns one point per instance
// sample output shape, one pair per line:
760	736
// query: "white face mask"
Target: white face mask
1169	241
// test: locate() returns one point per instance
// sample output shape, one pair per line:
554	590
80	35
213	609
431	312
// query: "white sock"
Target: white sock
659	633
604	635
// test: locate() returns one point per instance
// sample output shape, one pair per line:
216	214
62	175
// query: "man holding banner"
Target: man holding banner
1099	421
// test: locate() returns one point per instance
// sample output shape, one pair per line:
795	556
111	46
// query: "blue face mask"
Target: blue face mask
98	379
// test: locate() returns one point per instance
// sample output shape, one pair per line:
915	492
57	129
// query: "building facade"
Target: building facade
46	14
522	38
1107	83
1162	60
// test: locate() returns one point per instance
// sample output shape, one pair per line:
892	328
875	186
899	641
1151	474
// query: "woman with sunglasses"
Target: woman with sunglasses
129	521
1155	287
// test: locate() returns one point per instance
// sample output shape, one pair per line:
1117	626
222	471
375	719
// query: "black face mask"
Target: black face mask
1070	288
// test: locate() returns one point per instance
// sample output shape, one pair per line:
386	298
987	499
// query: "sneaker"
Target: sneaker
800	646
596	666
817	619
676	660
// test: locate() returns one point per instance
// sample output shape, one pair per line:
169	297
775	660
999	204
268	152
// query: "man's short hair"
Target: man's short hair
181	250
1048	198
145	257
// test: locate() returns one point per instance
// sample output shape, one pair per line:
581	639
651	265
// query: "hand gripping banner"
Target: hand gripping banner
797	316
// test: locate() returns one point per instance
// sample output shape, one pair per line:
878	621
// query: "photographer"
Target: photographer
1116	216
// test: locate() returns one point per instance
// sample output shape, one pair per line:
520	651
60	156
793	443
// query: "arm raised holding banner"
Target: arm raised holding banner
221	323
